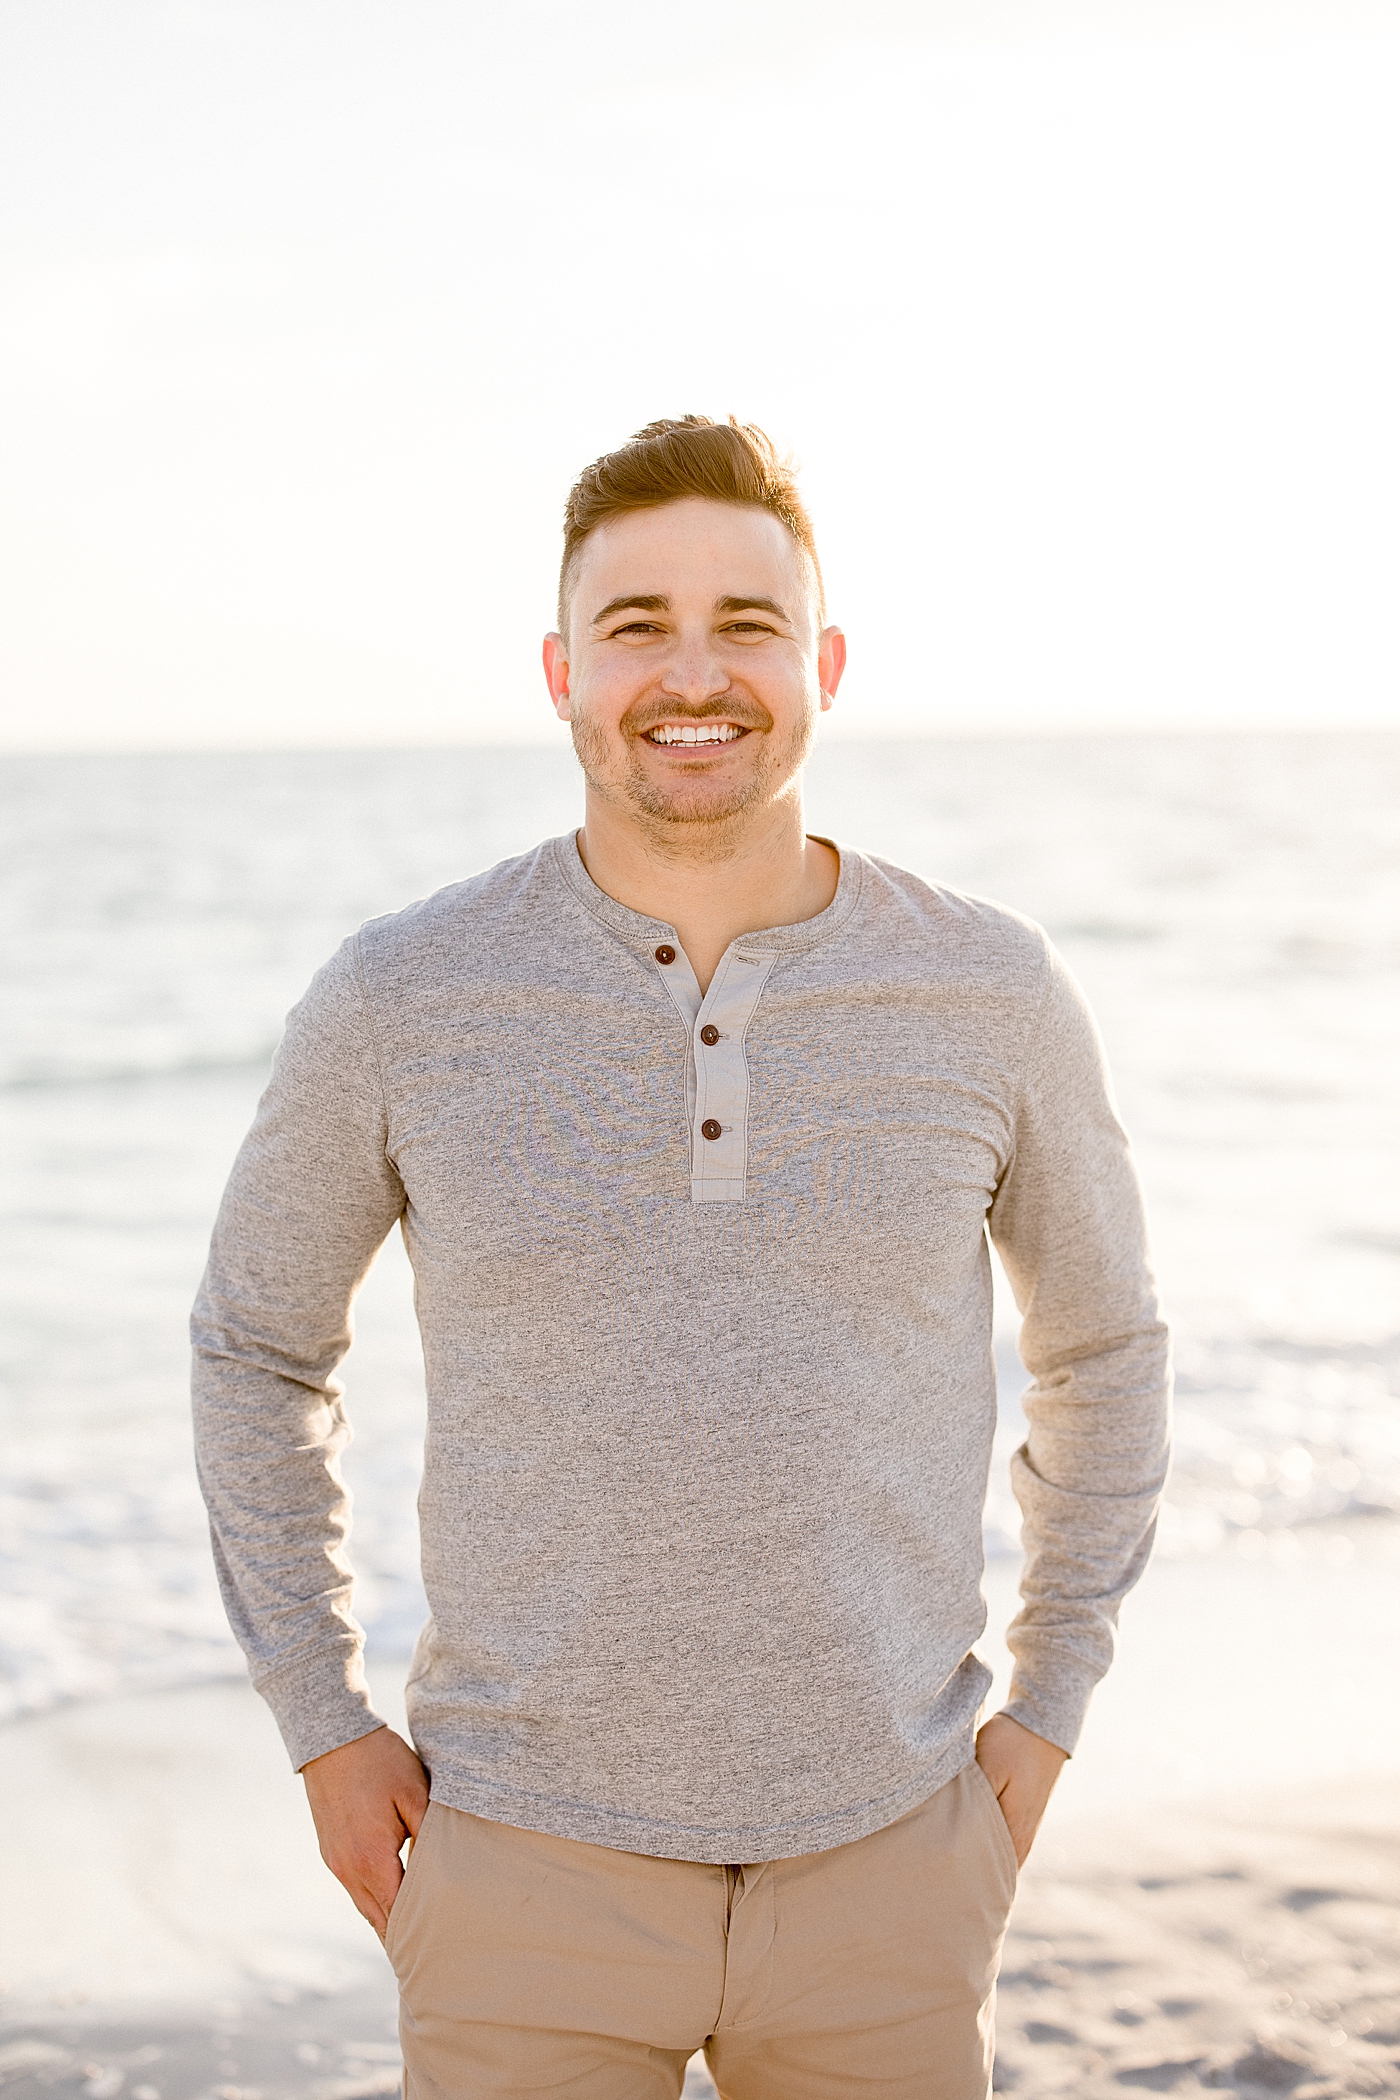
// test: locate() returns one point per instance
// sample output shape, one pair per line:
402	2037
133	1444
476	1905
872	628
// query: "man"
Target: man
696	1128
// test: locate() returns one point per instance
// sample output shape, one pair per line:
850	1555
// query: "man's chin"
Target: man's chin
692	802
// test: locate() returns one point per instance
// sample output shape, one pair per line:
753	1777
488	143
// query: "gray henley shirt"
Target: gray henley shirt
705	1298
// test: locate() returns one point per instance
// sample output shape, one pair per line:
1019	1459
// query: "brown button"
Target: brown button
665	954
709	1033
710	1128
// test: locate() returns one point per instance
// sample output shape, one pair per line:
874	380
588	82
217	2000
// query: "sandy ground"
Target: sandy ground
1208	1909
1252	1950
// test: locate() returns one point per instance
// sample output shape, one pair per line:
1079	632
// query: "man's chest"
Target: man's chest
525	1115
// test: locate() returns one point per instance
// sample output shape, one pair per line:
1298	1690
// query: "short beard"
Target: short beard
703	820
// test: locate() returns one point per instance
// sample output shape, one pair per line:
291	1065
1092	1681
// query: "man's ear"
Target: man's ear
556	674
831	662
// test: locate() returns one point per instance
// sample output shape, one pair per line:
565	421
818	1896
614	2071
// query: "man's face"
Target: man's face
693	671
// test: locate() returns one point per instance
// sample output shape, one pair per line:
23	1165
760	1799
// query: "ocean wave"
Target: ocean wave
55	1074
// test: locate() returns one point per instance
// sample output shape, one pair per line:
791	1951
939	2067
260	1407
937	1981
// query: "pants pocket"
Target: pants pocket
1001	1835
397	1919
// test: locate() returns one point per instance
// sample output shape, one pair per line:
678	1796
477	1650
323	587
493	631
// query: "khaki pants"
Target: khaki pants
531	1964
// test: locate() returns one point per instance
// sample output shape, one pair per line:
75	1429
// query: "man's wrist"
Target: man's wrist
1004	1714
351	1742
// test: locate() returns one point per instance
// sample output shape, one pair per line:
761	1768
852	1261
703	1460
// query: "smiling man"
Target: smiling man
697	1128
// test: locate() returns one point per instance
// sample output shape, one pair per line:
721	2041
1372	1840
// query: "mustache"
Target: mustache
646	714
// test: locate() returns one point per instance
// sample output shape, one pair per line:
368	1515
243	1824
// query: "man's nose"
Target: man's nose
695	671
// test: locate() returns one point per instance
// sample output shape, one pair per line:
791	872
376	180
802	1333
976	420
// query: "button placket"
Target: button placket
684	987
717	1067
720	1140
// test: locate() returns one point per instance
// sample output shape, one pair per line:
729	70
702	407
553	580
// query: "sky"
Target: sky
1082	318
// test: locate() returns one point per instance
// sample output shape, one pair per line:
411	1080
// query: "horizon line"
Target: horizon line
985	733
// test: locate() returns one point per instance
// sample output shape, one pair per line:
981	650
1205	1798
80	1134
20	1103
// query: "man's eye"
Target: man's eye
638	627
748	627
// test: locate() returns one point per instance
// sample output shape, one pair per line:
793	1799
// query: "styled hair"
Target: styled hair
684	456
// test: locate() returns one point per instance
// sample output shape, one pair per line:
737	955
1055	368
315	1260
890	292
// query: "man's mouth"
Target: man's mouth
694	733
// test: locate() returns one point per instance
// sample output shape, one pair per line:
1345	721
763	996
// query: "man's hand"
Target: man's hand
1022	1768
367	1797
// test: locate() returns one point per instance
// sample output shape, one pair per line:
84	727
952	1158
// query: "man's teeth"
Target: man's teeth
694	733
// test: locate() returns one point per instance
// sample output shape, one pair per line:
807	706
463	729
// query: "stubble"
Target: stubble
698	816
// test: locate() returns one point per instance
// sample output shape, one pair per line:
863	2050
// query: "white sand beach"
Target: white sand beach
1214	1903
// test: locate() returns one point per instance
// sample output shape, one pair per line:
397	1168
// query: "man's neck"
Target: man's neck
711	883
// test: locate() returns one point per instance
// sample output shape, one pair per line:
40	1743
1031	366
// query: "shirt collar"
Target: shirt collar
639	931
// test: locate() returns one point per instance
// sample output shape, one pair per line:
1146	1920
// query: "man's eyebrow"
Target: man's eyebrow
631	604
768	605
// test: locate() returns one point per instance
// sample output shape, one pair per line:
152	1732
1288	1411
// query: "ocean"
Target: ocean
1231	904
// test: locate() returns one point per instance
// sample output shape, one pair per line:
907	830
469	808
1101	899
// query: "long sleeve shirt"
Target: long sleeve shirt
705	1298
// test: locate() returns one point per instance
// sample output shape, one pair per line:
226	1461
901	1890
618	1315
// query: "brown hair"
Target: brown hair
683	456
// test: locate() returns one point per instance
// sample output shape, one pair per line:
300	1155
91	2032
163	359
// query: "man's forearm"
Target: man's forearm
310	1200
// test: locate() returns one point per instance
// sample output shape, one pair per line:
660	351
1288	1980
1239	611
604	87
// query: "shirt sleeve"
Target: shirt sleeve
311	1199
1067	1221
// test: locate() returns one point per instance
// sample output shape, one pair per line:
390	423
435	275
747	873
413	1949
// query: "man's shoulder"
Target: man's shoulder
930	923
485	915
